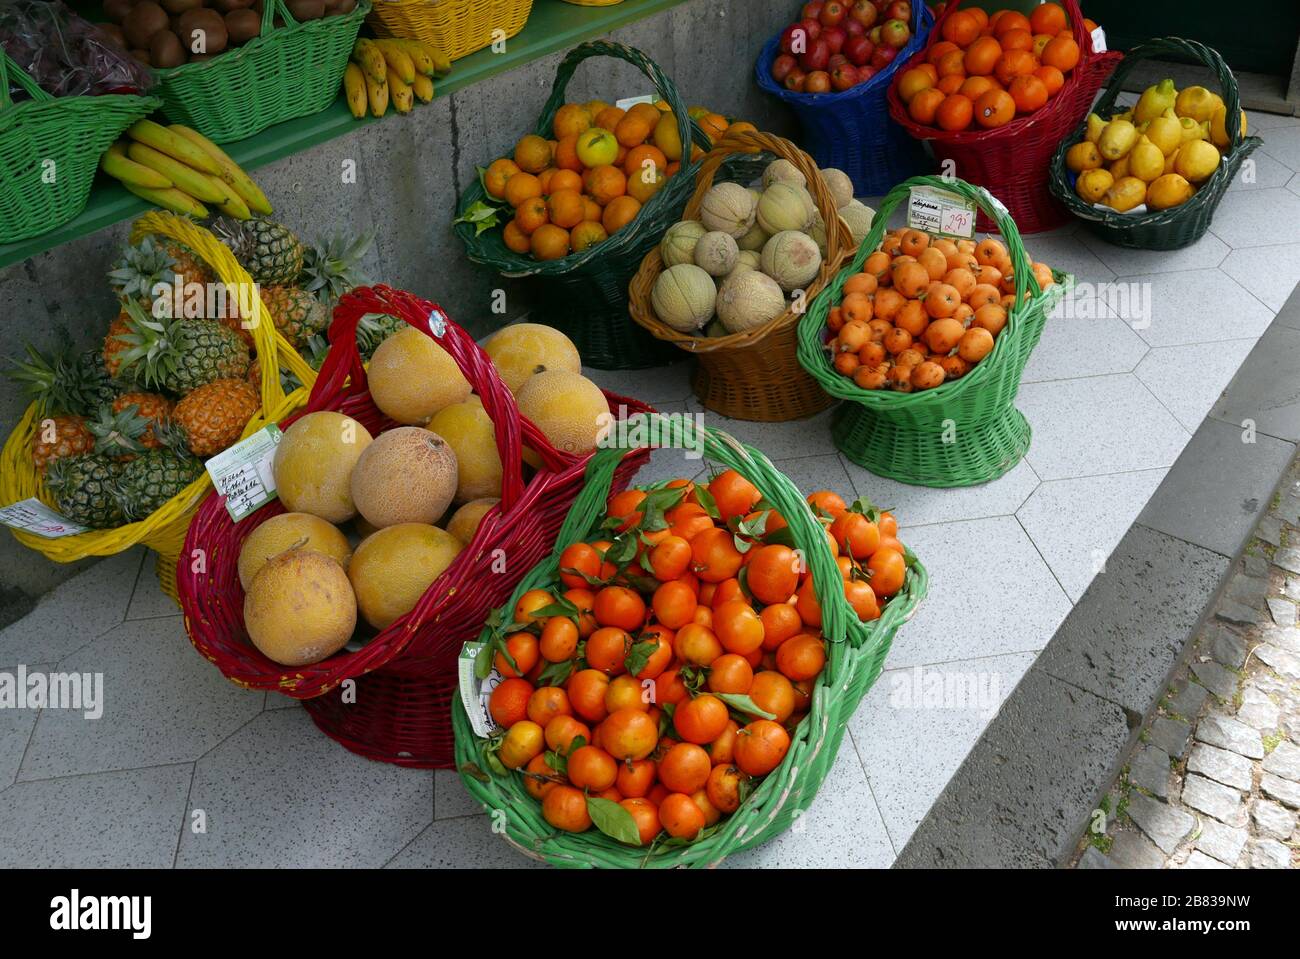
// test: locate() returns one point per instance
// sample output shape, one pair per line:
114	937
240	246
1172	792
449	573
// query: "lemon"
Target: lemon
1082	156
1168	191
1126	193
1119	169
1146	162
1117	139
1197	103
1095	125
1218	133
1196	161
1093	184
1166	133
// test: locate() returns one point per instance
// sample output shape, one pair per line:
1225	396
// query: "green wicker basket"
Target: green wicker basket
49	150
1186	223
585	294
290	71
958	434
857	654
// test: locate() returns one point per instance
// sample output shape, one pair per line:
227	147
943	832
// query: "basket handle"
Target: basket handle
687	131
343	371
269	9
9	69
1178	47
682	432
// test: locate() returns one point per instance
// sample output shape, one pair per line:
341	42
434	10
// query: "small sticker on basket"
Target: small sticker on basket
932	210
34	516
628	102
1098	40
474	694
242	473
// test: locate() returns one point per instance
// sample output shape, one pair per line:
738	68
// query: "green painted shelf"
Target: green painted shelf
553	25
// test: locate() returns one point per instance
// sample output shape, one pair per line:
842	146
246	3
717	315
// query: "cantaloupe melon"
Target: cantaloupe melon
407	475
683	296
300	608
748	300
781	170
522	349
569	409
464	522
313	464
785	206
716	252
411	377
393	568
792	259
745	260
728	207
754	239
841	187
678	242
471	434
857	217
289	531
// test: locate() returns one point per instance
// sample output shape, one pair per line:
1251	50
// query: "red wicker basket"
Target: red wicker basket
1013	161
399	710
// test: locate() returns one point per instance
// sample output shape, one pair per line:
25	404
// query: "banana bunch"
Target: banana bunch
183	171
391	70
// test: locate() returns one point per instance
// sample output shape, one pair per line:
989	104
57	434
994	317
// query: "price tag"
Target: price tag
35	517
242	473
629	102
474	694
932	210
1099	40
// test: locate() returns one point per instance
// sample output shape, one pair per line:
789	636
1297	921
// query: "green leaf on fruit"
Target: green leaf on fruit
613	820
743	704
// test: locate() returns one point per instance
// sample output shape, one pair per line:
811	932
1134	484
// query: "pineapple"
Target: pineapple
373	329
144	265
153	407
154	477
117	432
331	268
179	355
270	252
214	415
296	313
58	438
114	347
84	490
65	383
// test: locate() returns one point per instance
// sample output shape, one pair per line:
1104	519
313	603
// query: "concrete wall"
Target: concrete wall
410	172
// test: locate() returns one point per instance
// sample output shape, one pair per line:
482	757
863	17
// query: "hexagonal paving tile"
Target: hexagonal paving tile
1188	379
1201	306
923	505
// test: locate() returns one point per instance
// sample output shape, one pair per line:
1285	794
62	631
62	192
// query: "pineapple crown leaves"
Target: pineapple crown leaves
149	348
141	267
51	381
173	437
332	268
118	433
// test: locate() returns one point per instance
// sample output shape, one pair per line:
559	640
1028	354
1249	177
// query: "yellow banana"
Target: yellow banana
399	92
377	94
419	55
115	163
422	88
170	199
187	179
441	62
398	60
372	62
231	204
165	141
354	88
231	173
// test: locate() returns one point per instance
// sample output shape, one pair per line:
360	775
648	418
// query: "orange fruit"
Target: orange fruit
619	606
981	56
532	153
681	816
566	180
924	105
950	84
515	239
550	242
1012	64
738	627
607	119
619	212
538	788
494	179
685	768
723	788
635	777
565	808
700	720
801	657
1010	20
1062	53
1047	18
1017	40
646	816
888	570
586	689
674	604
607	647
760	747
629	734
634	129
697	645
955	112
605	183
645	183
714	555
1053	79
566	155
520	187
583	559
951	64
564	207
530	215
780	622
733	494
669	688
771	692
913	81
585	234
642	158
1029	92
773	574
570	120
960	28
563	730
592	768
547	703
994	108
508	703
522	648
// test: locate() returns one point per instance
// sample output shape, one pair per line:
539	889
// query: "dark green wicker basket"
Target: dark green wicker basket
585	294
857	655
964	432
1186	223
49	150
284	72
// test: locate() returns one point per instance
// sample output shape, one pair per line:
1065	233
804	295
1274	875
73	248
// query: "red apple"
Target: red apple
864	12
844	76
834	37
782	66
837	59
795	79
853	28
874	36
866	73
899	10
819	81
883	56
790	37
818	55
833	13
812	9
895	33
812	27
859	50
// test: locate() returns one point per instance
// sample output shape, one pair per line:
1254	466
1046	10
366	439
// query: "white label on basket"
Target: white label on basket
35	517
628	102
474	694
1099	40
932	210
242	473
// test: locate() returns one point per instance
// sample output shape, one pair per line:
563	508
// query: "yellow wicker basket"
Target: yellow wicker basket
456	27
593	3
164	529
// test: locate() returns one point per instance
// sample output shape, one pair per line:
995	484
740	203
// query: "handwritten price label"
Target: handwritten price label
474	695
938	211
35	517
242	473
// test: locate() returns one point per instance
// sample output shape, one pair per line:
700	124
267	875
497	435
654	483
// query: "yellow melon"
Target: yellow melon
411	377
464	522
300	608
313	465
287	531
522	349
393	568
471	434
407	475
569	409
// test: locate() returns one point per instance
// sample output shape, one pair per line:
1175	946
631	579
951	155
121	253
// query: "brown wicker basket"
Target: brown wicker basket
753	375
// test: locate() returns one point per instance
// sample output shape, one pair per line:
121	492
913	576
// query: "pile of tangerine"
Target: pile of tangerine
989	69
923	310
663	675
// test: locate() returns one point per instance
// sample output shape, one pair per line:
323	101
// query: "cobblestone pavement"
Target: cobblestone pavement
1214	782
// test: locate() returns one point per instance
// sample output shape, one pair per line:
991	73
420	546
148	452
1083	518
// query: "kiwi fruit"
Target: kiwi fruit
302	10
141	55
340	7
116	10
213	28
165	50
142	22
112	34
242	26
177	7
227	6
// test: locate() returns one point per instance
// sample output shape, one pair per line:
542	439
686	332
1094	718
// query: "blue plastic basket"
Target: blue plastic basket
852	130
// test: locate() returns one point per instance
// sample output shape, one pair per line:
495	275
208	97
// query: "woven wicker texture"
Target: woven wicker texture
456	27
1186	223
851	130
1012	161
958	434
753	375
406	673
164	529
585	294
856	655
284	72
49	149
